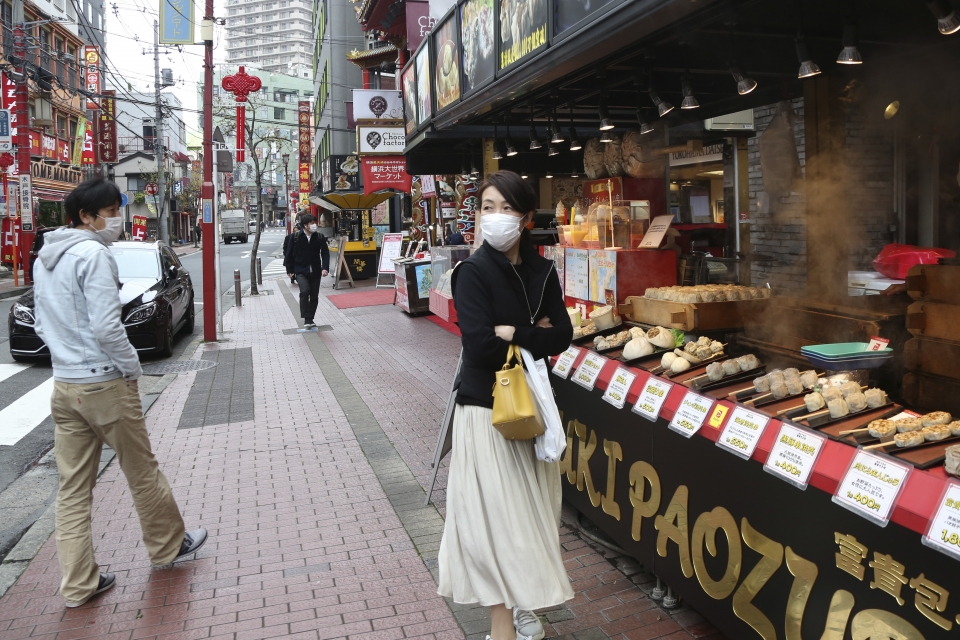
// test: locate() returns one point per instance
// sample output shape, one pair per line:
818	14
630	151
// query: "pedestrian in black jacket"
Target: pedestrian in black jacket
500	541
308	259
286	247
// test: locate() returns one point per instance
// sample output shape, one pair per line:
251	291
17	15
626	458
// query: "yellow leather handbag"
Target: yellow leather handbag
515	414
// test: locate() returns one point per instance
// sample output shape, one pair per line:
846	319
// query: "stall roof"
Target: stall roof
352	200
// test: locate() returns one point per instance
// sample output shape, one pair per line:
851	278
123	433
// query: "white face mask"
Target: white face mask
312	228
112	230
501	230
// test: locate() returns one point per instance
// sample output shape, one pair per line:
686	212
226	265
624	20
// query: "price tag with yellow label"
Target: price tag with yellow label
616	393
943	533
794	453
871	486
691	414
565	362
589	370
717	415
651	398
743	431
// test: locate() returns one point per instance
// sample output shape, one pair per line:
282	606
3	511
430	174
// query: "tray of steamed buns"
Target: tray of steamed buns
776	386
918	439
836	400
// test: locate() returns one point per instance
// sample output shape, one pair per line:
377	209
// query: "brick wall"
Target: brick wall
870	188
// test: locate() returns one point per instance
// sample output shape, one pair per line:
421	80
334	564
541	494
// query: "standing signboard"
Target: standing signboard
26	203
139	229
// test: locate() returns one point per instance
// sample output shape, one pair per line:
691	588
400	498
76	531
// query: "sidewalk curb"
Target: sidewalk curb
14	293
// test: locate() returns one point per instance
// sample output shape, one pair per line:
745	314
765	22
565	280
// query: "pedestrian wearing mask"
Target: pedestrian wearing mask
501	541
96	398
308	259
287	240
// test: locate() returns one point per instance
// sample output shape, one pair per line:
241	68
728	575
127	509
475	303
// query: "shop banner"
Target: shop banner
303	177
477	33
428	186
9	102
380	140
409	83
377	104
26	202
468	203
447	62
108	127
88	153
385	173
303	132
176	22
36	144
91	57
48	146
63	151
340	173
139	229
568	13
419	22
77	157
527	32
11	238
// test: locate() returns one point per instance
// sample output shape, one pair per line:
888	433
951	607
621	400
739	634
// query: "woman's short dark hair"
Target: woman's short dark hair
514	189
90	196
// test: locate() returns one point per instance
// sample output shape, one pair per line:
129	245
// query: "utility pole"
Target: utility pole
162	223
210	284
23	135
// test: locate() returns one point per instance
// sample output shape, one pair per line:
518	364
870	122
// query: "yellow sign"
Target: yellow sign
716	418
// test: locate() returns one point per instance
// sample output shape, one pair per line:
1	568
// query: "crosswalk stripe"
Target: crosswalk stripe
7	370
275	268
23	415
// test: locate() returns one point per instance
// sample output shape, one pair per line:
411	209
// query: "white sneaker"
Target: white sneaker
309	325
527	624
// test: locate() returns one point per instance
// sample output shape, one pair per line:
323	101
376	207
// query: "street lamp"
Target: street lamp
286	190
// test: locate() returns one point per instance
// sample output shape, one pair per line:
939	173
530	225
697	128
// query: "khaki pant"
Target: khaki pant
86	416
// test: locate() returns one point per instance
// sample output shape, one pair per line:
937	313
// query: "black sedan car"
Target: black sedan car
156	293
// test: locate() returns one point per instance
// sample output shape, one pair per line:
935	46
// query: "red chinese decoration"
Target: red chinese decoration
240	84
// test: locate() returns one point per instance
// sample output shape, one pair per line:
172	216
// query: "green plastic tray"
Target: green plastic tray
844	350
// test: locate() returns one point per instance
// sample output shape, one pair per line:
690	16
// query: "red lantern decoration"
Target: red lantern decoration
240	84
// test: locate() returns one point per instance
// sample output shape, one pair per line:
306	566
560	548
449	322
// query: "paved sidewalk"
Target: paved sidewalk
314	500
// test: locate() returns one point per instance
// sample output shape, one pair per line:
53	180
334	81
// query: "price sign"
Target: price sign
616	393
877	343
565	361
943	533
742	432
793	454
589	370
871	486
651	398
691	415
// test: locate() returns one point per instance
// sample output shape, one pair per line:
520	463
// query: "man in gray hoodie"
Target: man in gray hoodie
95	398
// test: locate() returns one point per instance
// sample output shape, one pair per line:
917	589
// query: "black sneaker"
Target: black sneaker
192	541
107	580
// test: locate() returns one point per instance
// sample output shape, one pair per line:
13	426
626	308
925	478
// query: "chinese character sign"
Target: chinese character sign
91	56
388	172
303	131
88	154
139	229
303	178
176	22
108	127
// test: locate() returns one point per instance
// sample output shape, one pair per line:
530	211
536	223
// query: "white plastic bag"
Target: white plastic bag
551	444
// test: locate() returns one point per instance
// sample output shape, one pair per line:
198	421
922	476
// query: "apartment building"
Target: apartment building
272	35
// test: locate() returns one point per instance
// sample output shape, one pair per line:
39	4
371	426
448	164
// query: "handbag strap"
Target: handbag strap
513	352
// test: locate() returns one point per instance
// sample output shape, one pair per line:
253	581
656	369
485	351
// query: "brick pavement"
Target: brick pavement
314	505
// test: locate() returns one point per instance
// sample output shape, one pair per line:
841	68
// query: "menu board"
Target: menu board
477	31
603	275
569	12
576	271
447	76
409	80
523	29
424	106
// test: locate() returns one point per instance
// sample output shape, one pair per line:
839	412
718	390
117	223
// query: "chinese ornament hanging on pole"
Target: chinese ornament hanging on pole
240	84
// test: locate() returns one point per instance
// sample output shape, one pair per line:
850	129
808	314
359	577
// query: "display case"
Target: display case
413	281
442	261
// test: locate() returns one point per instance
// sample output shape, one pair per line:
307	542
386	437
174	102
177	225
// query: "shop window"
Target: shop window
62	126
279	113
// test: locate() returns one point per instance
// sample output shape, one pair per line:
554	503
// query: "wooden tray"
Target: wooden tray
688	316
922	456
588	340
707	385
659	370
857	420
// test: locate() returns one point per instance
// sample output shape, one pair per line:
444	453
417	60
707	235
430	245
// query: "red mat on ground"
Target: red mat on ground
362	298
440	322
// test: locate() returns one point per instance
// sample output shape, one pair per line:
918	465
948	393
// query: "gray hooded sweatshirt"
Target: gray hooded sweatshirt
77	308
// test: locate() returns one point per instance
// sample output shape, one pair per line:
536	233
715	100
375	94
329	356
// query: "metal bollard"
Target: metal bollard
236	286
658	592
259	272
670	600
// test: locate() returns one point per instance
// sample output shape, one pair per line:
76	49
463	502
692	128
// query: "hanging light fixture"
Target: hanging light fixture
549	175
745	84
645	127
946	15
808	67
511	150
663	107
557	137
574	174
574	141
552	150
523	174
534	140
496	145
605	137
850	54
689	101
605	122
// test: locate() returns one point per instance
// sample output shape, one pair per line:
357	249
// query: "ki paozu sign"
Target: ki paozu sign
176	22
766	570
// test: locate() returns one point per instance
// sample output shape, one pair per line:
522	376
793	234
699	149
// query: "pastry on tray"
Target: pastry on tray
908	425
935	418
882	428
908	439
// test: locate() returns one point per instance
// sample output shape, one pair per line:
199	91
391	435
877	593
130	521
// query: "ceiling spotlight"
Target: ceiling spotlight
557	137
605	122
947	20
745	84
523	174
605	137
549	175
496	146
891	110
511	150
850	54
534	140
574	174
689	102
645	127
663	107
574	141
808	67
552	150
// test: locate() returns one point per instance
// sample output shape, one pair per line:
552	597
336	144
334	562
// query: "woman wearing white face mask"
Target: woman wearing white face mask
501	544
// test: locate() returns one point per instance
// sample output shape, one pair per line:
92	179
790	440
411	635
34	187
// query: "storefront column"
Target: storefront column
829	231
489	164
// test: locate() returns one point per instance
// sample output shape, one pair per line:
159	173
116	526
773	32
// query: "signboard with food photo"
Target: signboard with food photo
424	104
523	29
477	31
447	62
409	80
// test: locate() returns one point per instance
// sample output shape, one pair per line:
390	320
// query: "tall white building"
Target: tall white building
273	35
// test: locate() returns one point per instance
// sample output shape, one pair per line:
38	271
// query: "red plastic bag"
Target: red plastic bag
895	260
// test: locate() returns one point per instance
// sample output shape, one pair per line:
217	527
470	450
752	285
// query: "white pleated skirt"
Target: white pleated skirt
501	540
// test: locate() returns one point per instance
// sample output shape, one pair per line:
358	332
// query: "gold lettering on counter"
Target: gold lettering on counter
584	452
841	604
705	533
931	598
642	473
566	462
672	525
852	553
743	606
877	623
888	575
608	501
804	575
